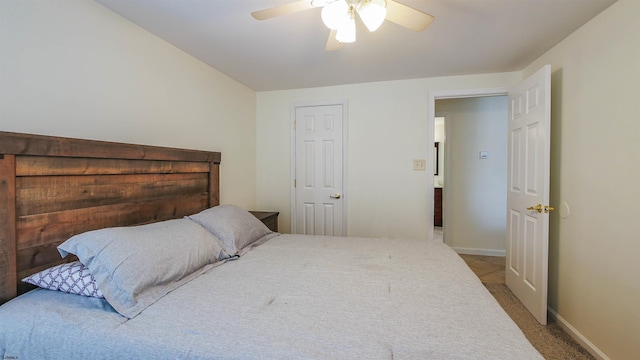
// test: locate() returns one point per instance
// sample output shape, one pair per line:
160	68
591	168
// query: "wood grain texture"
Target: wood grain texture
43	165
28	144
7	229
214	185
42	229
52	188
72	192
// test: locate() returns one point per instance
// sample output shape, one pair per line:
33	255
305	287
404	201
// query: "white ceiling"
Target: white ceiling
287	52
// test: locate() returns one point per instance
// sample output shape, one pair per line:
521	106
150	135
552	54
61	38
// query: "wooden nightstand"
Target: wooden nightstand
269	218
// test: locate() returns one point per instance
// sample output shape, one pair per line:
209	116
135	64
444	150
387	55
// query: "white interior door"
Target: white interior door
319	195
528	192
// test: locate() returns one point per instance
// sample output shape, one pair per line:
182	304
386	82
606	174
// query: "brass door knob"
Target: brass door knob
548	208
335	196
537	208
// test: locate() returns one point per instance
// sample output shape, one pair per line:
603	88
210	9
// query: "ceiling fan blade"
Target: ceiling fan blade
332	43
285	9
407	17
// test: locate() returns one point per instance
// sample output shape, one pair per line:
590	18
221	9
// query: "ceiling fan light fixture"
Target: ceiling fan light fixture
335	14
372	13
339	16
347	31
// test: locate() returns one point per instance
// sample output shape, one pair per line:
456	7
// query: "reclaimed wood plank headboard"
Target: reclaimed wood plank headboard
52	188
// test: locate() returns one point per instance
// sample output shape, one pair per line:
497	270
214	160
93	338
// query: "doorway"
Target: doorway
528	153
474	173
438	176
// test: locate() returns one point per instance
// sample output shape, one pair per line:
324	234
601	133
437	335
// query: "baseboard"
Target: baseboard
484	252
577	336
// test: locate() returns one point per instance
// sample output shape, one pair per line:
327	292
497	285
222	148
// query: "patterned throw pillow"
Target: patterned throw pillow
71	278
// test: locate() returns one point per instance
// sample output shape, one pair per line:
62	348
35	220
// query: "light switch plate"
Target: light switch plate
419	164
484	155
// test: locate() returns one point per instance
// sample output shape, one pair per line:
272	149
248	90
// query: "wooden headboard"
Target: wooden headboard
52	188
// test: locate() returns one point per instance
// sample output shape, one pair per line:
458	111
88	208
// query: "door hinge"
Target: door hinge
294	183
295	123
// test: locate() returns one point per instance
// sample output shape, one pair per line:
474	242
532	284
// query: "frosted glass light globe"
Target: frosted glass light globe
334	14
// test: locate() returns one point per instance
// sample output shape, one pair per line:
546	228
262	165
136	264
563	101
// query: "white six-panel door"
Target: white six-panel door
528	192
319	198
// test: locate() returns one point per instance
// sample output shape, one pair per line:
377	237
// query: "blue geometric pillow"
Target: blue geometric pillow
71	278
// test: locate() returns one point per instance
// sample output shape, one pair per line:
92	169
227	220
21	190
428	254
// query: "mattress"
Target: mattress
293	297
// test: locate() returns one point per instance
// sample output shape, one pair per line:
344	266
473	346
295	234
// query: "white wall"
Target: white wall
475	190
388	128
594	277
73	68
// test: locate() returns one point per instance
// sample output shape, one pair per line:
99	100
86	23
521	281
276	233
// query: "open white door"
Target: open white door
319	194
528	192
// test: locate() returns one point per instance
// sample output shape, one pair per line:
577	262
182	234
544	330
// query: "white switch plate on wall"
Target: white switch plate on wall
419	164
484	155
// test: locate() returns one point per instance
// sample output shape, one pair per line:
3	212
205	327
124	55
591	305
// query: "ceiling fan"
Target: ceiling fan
340	16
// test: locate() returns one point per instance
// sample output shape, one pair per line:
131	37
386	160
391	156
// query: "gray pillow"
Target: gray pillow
135	266
236	228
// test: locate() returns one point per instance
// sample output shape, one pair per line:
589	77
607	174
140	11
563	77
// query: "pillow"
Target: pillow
73	278
135	266
235	227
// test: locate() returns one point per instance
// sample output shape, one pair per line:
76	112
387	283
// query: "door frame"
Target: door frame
431	123
345	164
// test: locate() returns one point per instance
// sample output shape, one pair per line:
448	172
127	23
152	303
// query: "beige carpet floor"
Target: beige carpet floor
551	341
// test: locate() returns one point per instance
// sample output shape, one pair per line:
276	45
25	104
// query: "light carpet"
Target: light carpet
550	340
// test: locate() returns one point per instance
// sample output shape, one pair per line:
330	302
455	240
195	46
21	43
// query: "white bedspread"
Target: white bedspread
294	297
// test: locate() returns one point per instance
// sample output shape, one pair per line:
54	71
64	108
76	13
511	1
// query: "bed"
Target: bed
235	290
